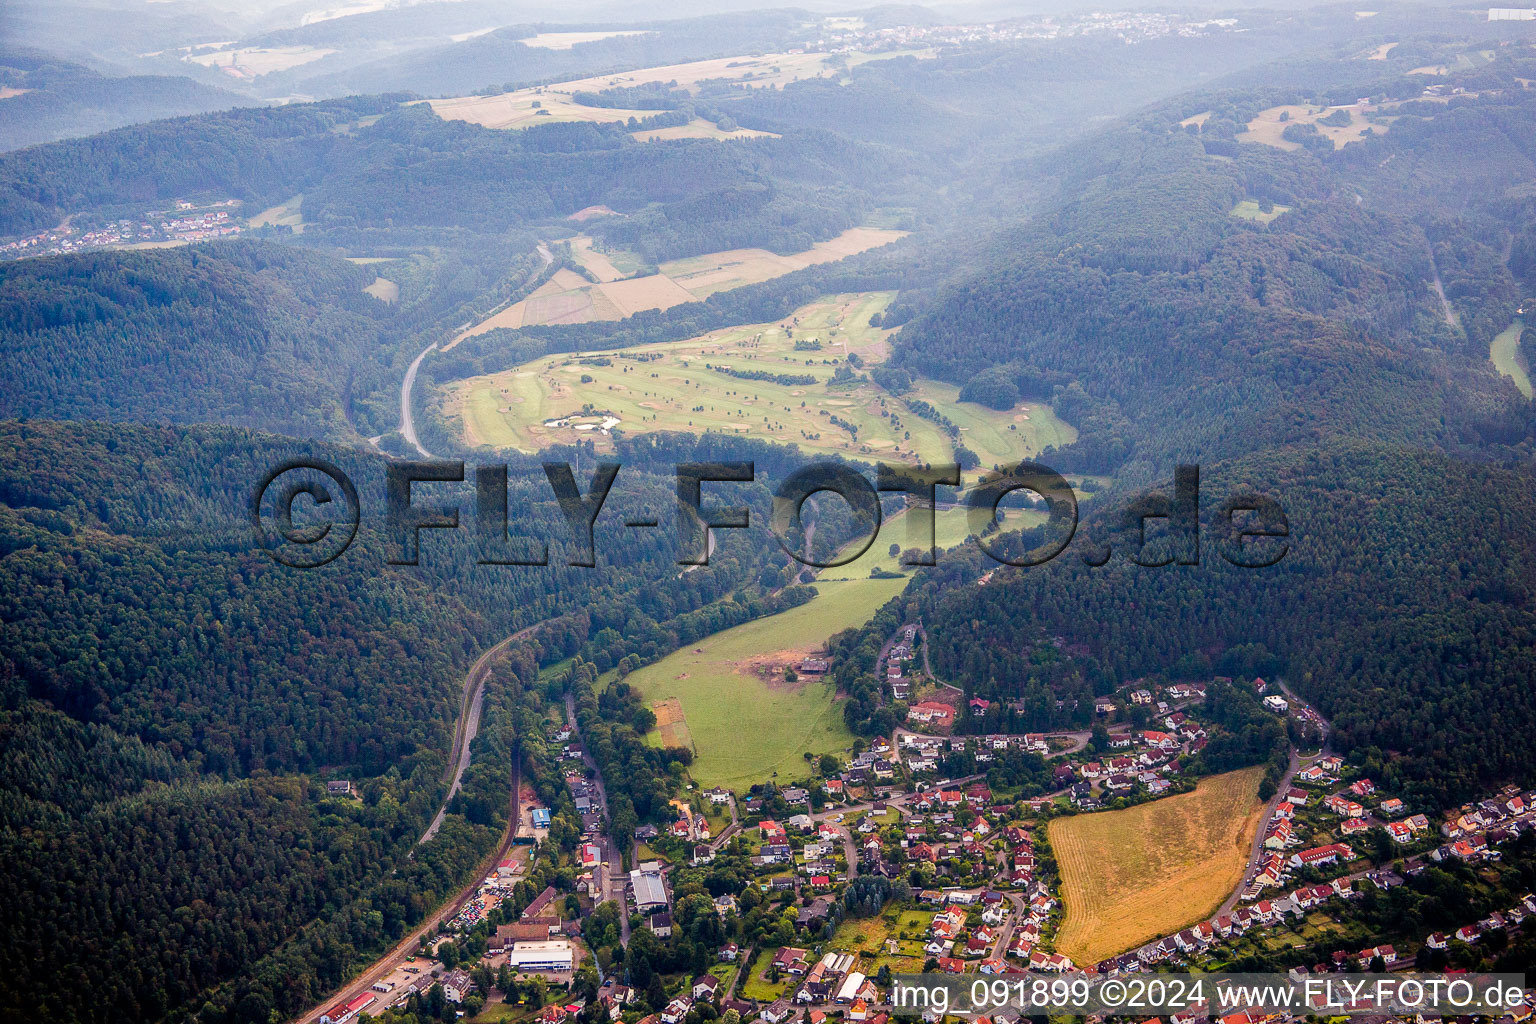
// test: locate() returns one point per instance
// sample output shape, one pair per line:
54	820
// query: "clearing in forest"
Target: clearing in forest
566	40
1251	209
1268	126
746	722
541	104
698	128
569	298
771	381
1509	360
1131	876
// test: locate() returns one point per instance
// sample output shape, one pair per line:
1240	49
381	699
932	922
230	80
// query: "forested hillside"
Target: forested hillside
55	99
171	699
1214	335
1402	606
1208	279
1306	356
410	169
257	335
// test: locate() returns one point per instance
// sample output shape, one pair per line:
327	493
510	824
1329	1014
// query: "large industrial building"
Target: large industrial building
549	955
649	888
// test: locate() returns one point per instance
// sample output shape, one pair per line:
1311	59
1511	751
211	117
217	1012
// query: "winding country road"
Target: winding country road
465	731
406	948
468	725
407	421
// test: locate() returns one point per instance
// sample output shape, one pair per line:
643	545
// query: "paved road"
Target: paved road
1005	935
407	421
468	725
610	875
1296	764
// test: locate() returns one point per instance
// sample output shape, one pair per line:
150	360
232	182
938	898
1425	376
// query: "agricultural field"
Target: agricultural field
566	40
698	128
1134	875
547	103
731	685
1506	357
1268	126
384	290
1250	209
714	272
671	726
284	214
568	298
255	61
691	385
601	265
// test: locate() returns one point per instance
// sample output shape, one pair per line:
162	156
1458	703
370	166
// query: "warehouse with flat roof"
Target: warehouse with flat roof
549	955
650	891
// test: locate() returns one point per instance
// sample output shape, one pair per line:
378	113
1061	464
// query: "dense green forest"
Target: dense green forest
409	168
257	335
1308	360
171	701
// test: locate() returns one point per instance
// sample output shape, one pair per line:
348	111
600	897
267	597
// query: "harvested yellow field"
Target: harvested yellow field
384	290
1270	125
699	128
600	266
722	271
526	107
1134	875
566	40
655	291
285	214
255	61
569	298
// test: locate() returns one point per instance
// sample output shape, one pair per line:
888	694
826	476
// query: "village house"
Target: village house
929	712
456	985
1320	855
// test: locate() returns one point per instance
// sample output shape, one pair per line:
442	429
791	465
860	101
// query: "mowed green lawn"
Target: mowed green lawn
998	437
1505	353
1248	209
685	386
950	528
746	722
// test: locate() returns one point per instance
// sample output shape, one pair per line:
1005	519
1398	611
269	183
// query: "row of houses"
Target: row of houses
1499	920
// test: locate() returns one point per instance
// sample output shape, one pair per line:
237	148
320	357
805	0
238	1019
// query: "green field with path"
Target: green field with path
696	386
747	723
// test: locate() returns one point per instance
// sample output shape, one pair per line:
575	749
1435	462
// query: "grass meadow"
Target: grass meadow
690	386
746	722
